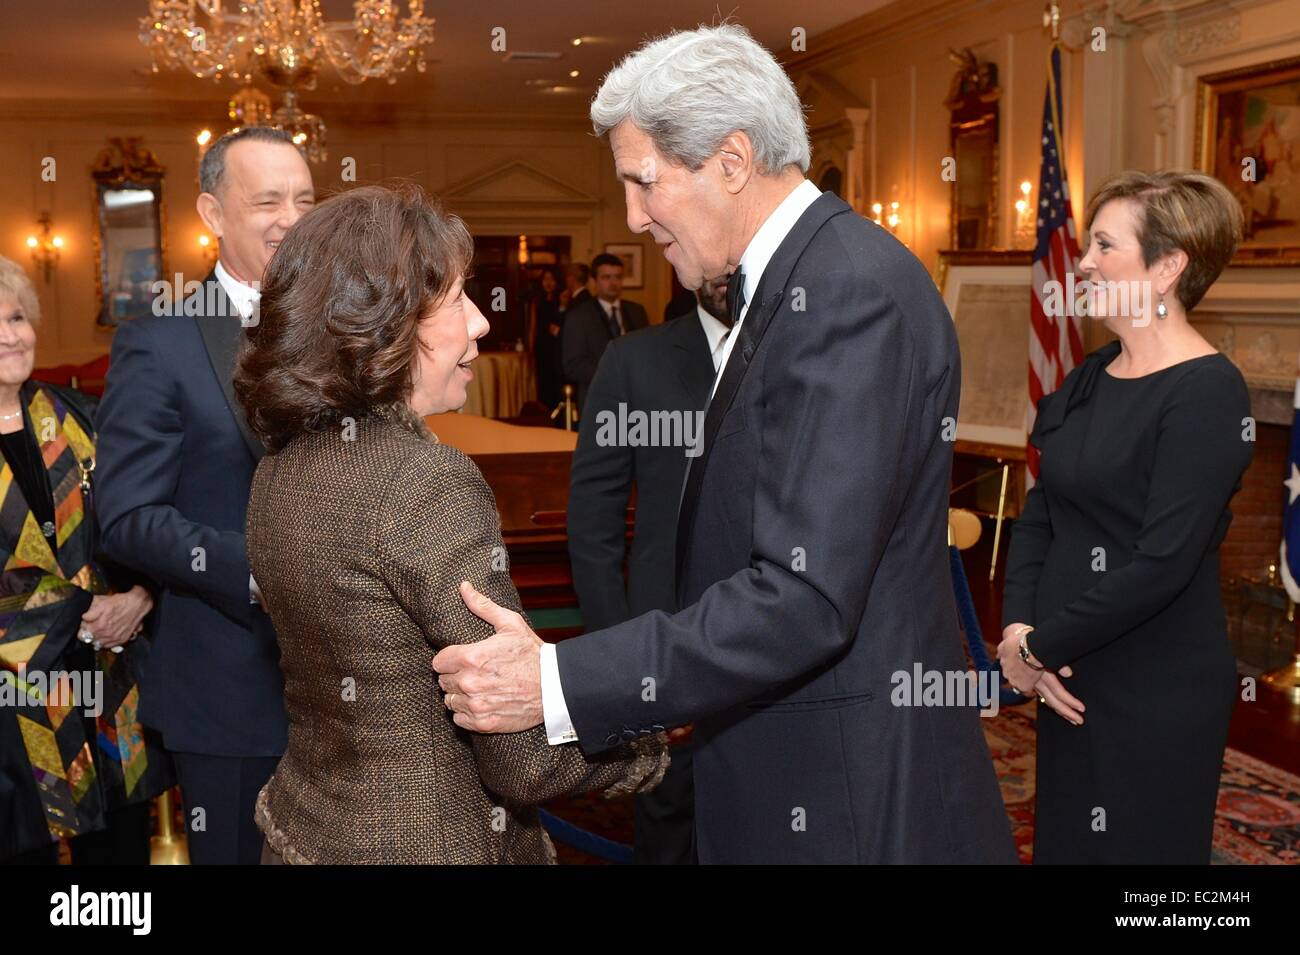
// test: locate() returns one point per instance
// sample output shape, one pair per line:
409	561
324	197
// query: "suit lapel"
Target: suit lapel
767	300
694	362
222	335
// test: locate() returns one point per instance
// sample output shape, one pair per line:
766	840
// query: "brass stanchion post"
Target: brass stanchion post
168	846
567	406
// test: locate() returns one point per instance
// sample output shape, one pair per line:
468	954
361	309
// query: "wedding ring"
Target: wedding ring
85	636
1042	699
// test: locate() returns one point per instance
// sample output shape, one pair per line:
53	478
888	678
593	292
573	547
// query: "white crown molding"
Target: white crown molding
887	24
556	192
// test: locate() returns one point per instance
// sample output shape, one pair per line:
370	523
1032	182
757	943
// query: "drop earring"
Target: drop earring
1161	310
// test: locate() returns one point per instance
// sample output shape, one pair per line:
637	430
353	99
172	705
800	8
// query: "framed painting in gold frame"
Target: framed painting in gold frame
633	256
1248	137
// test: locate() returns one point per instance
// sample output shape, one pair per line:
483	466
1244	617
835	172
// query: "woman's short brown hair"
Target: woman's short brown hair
1190	211
341	305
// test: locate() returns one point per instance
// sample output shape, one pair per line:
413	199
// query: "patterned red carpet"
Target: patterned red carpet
1258	819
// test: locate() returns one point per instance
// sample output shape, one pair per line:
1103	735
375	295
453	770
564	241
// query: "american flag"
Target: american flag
1291	518
1055	341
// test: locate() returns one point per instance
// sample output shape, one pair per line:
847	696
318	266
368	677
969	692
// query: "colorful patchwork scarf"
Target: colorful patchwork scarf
83	763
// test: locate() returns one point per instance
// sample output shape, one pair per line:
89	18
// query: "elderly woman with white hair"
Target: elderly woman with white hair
74	761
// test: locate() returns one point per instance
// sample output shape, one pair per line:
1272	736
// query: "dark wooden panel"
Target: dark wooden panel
532	492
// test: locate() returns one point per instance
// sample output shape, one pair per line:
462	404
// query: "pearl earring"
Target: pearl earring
1161	311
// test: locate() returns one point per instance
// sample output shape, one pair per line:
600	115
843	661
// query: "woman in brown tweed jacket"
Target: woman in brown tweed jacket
360	528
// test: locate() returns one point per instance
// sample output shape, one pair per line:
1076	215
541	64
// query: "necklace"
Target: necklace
10	417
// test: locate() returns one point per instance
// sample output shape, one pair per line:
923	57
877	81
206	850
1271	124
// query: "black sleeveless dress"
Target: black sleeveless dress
1115	561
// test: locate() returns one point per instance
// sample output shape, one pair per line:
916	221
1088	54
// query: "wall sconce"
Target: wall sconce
888	220
523	250
211	251
45	247
1025	221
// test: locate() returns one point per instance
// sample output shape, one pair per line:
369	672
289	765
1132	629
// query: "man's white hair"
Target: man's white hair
689	90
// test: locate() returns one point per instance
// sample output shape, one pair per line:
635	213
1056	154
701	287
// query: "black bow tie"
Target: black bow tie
735	295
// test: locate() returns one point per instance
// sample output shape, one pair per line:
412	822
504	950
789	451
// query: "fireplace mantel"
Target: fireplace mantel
1252	315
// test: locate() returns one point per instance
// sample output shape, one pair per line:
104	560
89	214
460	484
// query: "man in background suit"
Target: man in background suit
666	368
812	559
591	325
176	460
576	277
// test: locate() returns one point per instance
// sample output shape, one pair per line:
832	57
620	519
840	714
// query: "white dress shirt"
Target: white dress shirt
715	333
761	248
609	310
244	298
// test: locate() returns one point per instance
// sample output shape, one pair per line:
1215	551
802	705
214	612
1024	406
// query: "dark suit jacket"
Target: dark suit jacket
175	461
666	368
813	569
580	296
586	335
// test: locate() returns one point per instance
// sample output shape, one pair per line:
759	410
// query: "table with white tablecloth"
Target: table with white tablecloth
503	381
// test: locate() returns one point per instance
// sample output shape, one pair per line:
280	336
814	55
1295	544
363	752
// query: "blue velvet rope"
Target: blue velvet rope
970	623
585	841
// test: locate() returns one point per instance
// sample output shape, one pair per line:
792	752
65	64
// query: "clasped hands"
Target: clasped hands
1043	683
113	619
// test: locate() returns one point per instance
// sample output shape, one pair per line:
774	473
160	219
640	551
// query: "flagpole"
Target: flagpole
1052	22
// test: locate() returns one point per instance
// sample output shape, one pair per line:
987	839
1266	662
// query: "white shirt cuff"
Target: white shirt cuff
555	713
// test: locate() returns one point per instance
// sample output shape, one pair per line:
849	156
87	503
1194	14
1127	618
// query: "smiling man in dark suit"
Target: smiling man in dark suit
176	460
811	538
666	370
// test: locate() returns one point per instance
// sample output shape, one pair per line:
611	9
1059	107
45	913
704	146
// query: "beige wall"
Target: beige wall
1132	105
503	176
895	63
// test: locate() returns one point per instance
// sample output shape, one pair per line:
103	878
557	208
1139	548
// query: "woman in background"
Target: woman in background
64	772
548	323
1111	608
361	526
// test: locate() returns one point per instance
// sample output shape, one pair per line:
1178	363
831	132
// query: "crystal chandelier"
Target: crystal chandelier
307	129
286	39
285	42
249	107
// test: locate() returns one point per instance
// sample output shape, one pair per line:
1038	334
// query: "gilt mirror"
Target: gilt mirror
973	141
128	184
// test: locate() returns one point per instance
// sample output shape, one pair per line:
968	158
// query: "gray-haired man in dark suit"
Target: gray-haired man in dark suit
812	559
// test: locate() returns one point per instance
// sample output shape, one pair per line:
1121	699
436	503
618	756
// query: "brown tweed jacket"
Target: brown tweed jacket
358	543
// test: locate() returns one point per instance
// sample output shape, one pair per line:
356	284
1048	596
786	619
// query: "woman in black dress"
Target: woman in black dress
1111	609
548	323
